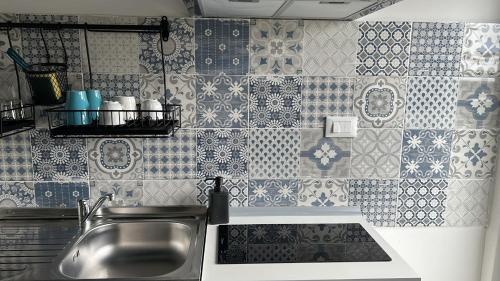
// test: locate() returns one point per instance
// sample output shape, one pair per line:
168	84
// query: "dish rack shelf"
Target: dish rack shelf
17	119
115	123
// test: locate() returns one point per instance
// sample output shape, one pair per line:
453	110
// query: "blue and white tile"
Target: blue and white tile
324	157
17	194
222	101
274	154
275	102
171	158
481	50
127	193
478	103
112	85
60	195
6	64
379	102
384	48
431	102
172	192
273	193
436	48
116	159
15	158
221	46
276	46
468	202
58	159
376	198
178	51
222	152
473	154
426	153
237	188
323	193
422	202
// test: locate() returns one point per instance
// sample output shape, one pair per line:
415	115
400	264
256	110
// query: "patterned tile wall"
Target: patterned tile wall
255	95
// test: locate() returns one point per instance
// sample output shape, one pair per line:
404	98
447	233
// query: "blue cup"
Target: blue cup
77	100
95	101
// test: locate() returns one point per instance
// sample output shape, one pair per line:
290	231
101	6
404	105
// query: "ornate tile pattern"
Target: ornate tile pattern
221	46
127	193
276	46
273	193
15	158
426	153
325	96
324	157
115	159
473	154
57	159
431	102
436	48
376	153
330	47
178	51
6	63
222	101
274	154
17	194
171	158
379	101
468	202
384	48
481	50
60	195
222	152
376	198
323	192
275	102
181	89
238	192
421	202
34	51
172	192
478	104
114	84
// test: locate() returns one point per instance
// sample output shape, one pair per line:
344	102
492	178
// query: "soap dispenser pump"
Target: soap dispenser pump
218	202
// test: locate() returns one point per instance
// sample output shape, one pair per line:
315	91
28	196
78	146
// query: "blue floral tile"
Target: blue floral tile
222	101
426	153
376	198
323	192
273	193
478	104
384	48
481	50
275	102
421	202
127	193
6	64
324	157
171	158
237	188
436	49
57	159
112	85
221	46
17	194
15	158
222	152
60	195
178	50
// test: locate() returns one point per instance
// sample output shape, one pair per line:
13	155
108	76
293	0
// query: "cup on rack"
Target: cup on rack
111	114
95	101
77	102
152	105
128	103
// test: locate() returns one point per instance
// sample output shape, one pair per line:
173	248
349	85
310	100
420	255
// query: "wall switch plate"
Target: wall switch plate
341	127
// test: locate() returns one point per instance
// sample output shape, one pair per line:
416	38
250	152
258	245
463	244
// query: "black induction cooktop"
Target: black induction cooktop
297	243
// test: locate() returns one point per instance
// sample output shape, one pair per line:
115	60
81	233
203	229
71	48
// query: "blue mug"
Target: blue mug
95	101
77	100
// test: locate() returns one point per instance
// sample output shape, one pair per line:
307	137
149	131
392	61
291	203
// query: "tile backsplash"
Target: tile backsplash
255	94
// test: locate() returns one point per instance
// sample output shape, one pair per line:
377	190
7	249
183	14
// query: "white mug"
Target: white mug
128	103
152	104
111	118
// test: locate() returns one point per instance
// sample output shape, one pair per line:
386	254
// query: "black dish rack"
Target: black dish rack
22	118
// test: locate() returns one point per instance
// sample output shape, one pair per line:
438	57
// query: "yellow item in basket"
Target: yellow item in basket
55	86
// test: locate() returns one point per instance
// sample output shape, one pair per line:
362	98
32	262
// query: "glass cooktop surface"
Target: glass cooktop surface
297	243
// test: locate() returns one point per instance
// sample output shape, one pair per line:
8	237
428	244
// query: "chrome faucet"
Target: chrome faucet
85	213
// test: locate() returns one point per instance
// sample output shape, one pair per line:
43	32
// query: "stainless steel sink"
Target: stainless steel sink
141	243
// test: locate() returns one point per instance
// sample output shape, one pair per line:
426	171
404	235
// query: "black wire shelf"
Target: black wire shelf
17	119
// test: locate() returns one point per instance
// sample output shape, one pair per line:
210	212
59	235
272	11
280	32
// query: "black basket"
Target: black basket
20	118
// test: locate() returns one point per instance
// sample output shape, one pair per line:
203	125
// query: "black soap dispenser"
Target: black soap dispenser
218	202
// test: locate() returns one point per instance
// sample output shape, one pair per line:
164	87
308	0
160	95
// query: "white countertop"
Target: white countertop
395	270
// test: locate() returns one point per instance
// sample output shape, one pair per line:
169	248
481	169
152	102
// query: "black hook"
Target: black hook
164	28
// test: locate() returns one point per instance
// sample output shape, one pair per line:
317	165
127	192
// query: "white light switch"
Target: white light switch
341	127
